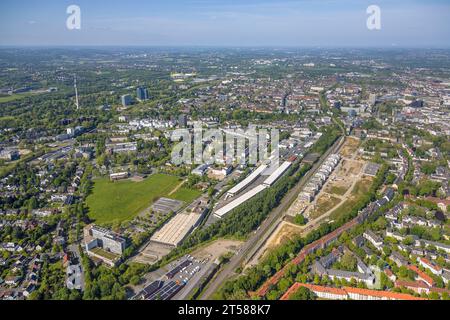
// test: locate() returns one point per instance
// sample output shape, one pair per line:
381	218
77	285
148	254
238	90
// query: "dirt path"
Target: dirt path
177	187
287	229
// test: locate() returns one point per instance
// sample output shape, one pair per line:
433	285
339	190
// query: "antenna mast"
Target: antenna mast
76	93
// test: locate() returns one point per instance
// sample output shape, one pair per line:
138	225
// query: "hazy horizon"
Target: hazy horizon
226	23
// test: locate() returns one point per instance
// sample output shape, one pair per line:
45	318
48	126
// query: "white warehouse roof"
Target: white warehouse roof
277	173
176	229
236	203
241	185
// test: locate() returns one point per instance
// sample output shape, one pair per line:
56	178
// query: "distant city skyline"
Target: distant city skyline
324	23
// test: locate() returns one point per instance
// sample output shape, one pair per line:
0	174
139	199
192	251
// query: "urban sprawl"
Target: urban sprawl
354	205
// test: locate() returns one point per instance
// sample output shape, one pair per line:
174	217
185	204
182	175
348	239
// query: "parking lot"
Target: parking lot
178	282
181	277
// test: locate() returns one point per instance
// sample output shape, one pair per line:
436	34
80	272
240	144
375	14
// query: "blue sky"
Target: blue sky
411	23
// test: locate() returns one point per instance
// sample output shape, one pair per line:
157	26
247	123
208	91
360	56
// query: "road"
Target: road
75	250
258	237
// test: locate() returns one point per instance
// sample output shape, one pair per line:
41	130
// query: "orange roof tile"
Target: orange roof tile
345	291
382	294
422	275
388	272
332	290
426	261
411	284
313	288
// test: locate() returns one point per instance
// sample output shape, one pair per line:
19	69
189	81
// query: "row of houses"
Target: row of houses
322	266
328	239
318	180
348	293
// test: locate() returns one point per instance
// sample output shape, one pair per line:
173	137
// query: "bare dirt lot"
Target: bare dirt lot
284	232
359	190
217	248
324	203
152	253
350	147
342	180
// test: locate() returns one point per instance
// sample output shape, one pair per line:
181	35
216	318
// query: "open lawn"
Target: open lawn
9	98
112	202
185	194
359	191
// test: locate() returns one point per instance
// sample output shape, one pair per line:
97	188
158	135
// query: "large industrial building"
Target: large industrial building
277	173
220	213
244	183
236	203
176	230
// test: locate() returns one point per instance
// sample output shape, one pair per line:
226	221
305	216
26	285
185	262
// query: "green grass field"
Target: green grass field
112	202
9	98
185	194
359	190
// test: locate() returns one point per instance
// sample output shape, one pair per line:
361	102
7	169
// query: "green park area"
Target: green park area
120	201
359	192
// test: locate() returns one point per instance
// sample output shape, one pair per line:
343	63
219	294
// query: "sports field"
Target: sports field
120	201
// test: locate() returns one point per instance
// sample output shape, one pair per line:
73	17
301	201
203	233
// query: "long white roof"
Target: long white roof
277	173
241	185
235	203
176	229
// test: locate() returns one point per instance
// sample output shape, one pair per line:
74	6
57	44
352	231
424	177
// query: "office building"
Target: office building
126	100
142	94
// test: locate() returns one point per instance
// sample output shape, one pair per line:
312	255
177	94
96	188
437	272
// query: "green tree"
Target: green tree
348	261
302	293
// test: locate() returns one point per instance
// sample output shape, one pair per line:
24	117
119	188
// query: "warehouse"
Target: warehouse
236	203
244	183
277	174
174	232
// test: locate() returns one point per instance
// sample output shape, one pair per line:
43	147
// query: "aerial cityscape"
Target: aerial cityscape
201	170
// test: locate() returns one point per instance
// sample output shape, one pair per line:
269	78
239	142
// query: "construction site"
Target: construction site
338	184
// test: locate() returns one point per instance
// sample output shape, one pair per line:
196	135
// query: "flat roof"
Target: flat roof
241	185
277	173
235	203
173	232
371	169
